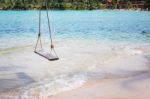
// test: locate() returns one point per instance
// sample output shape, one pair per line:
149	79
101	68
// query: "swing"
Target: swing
52	55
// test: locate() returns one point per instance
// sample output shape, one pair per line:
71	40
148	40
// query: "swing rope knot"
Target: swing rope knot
52	46
39	34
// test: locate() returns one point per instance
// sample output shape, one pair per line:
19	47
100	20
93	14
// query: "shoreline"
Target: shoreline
136	87
108	70
77	10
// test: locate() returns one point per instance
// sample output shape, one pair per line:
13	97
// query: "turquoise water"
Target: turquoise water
20	28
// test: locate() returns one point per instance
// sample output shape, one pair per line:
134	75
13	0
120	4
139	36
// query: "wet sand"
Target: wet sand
137	87
131	85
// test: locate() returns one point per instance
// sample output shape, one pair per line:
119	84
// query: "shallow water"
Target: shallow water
19	28
91	45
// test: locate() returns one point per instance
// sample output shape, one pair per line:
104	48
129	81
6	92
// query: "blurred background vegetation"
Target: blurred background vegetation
68	4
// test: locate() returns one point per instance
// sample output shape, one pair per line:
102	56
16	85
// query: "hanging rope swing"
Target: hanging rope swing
52	55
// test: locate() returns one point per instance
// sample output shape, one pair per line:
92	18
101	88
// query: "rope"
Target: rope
39	35
40	21
48	20
40	28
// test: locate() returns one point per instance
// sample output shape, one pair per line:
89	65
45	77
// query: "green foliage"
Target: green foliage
63	4
147	5
67	6
100	6
129	5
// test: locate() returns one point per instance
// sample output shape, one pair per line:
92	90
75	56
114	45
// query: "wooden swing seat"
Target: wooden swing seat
47	55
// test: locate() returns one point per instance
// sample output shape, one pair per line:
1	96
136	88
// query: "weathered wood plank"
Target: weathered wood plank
46	55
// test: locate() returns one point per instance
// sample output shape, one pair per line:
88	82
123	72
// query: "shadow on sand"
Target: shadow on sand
141	76
9	82
138	77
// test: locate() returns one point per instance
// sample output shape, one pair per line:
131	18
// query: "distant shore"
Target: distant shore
77	10
73	5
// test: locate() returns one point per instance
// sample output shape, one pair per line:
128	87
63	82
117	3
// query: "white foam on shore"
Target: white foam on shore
49	87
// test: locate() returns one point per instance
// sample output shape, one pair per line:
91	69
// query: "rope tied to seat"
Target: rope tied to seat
49	30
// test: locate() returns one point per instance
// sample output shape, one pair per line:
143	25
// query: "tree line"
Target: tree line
60	4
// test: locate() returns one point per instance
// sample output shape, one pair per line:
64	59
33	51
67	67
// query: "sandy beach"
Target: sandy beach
124	77
136	87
